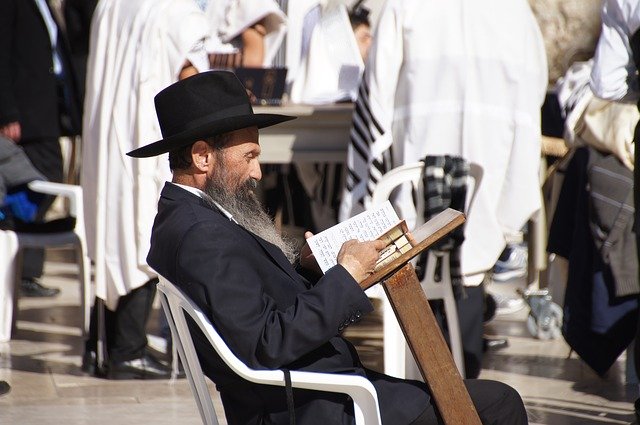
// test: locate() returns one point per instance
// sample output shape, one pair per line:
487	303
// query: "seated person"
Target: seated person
212	239
17	203
21	207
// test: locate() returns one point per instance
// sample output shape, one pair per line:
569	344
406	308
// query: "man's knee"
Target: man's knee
496	402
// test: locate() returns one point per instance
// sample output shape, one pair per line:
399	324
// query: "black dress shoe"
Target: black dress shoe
5	388
32	288
145	367
494	344
89	362
90	365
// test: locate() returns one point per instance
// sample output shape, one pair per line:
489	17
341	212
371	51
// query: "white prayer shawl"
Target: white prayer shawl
300	13
137	48
229	18
332	68
462	78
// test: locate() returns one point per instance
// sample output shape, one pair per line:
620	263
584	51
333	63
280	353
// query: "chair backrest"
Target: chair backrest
412	173
73	193
435	289
176	305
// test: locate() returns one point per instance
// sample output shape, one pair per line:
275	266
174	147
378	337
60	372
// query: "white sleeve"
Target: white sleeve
188	35
240	15
613	62
198	56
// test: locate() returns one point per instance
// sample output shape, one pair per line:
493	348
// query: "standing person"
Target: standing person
38	103
212	238
77	14
137	47
459	78
614	76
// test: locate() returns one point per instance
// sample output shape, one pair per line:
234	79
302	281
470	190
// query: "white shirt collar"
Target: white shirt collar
206	197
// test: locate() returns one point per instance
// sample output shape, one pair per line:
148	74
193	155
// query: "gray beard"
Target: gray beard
246	209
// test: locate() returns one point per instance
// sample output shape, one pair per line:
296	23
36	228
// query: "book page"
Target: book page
366	226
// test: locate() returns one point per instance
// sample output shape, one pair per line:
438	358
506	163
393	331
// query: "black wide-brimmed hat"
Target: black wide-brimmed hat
205	105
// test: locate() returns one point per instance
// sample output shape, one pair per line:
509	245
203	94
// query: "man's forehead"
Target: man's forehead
243	135
243	139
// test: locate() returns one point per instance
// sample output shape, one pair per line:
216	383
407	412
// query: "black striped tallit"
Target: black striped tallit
445	186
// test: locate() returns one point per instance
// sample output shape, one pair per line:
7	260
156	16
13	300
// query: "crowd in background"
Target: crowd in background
455	83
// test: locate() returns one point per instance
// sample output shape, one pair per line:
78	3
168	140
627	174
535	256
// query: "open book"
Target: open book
382	222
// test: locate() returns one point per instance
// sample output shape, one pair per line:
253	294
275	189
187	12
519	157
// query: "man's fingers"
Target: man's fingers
379	245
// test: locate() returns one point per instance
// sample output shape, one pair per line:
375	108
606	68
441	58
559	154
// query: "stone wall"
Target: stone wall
570	29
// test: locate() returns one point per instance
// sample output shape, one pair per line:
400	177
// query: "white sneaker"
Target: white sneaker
507	305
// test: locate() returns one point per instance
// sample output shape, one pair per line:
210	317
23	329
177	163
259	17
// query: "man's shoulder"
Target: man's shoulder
184	220
180	211
176	200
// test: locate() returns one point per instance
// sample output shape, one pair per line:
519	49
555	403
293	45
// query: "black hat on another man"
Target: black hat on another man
201	106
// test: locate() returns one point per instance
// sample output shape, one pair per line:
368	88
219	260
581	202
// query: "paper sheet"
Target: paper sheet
366	226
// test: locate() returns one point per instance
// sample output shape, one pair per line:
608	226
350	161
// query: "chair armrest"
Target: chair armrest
331	382
72	192
360	389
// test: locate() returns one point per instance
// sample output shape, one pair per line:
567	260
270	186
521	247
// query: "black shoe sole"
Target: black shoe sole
124	375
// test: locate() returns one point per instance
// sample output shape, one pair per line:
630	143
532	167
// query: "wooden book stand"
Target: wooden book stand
419	325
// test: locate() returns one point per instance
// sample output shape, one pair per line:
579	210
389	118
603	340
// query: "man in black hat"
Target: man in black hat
212	239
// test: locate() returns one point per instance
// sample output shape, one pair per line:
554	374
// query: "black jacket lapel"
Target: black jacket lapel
172	191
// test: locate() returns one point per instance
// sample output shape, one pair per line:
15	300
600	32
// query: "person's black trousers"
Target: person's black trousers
496	403
46	156
125	328
470	305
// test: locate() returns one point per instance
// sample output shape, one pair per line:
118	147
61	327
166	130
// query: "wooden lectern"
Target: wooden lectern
419	325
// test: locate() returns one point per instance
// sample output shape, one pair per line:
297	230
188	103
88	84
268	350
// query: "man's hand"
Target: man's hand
12	131
307	259
359	258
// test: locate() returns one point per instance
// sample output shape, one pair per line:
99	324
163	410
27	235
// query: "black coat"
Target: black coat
269	315
28	85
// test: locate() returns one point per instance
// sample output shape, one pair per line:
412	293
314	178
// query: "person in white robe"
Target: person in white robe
456	78
465	79
330	68
137	48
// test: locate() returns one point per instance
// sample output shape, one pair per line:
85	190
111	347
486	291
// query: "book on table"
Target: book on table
382	222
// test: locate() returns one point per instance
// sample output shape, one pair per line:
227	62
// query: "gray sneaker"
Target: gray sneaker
507	305
512	263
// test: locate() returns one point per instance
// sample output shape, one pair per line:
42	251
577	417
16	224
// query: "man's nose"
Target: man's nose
256	172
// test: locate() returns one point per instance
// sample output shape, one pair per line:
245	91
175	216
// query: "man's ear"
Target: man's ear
202	156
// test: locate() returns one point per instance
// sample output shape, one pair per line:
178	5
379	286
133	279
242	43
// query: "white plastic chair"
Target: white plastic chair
74	239
397	358
177	305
